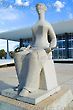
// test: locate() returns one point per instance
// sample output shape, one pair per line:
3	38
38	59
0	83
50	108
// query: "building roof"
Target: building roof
63	27
16	35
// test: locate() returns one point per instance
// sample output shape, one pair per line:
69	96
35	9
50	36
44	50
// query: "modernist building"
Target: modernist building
64	33
64	48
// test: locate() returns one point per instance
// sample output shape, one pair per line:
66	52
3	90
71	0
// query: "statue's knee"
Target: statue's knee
33	55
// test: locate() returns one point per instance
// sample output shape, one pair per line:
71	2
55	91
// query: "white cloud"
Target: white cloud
27	3
10	6
20	3
17	2
1	0
59	5
8	14
70	15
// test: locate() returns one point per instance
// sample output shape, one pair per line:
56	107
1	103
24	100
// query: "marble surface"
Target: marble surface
8	79
7	106
34	64
57	101
33	98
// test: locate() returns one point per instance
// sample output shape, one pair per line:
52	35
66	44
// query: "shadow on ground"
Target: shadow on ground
4	86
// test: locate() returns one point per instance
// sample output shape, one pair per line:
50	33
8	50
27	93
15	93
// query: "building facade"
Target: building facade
64	49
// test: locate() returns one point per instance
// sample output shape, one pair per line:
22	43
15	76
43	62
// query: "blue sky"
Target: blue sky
16	14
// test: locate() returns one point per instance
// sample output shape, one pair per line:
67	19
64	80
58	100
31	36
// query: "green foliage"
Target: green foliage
2	53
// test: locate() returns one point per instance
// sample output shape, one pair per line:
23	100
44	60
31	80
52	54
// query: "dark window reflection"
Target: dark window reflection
64	48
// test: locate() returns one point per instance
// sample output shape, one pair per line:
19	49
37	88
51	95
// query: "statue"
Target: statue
34	64
35	69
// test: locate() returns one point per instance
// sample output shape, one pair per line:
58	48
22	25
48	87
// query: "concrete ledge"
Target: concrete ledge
57	101
63	60
6	61
32	98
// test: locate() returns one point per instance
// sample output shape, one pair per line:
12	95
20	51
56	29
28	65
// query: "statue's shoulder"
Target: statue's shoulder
35	26
48	24
39	23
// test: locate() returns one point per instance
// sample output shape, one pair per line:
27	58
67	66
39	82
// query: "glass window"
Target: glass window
62	54
70	43
60	37
70	52
70	36
59	54
55	55
61	50
61	43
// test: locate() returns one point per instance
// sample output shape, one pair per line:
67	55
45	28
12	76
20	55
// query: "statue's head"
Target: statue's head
41	7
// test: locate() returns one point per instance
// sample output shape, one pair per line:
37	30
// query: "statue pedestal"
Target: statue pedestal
32	98
57	101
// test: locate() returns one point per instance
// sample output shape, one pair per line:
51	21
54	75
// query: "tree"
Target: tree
2	53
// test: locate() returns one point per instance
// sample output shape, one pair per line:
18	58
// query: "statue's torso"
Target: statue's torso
40	31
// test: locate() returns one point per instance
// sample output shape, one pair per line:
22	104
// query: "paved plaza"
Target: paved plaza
64	72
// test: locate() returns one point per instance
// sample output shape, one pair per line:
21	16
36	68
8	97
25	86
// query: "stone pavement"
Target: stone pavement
64	72
65	77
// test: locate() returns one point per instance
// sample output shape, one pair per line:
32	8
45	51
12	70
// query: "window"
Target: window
64	46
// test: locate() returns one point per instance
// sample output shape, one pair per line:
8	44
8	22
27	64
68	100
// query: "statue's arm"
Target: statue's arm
53	41
52	35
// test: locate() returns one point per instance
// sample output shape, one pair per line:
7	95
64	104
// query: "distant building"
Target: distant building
64	33
64	48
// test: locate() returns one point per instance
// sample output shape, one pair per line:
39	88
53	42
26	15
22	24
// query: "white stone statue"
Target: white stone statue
34	65
35	70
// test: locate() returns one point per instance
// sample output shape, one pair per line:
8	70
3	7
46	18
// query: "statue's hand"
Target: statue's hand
22	48
48	50
25	48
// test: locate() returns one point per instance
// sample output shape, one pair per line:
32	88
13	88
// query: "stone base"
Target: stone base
32	98
57	101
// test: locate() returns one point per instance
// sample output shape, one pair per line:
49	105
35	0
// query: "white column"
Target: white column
8	56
